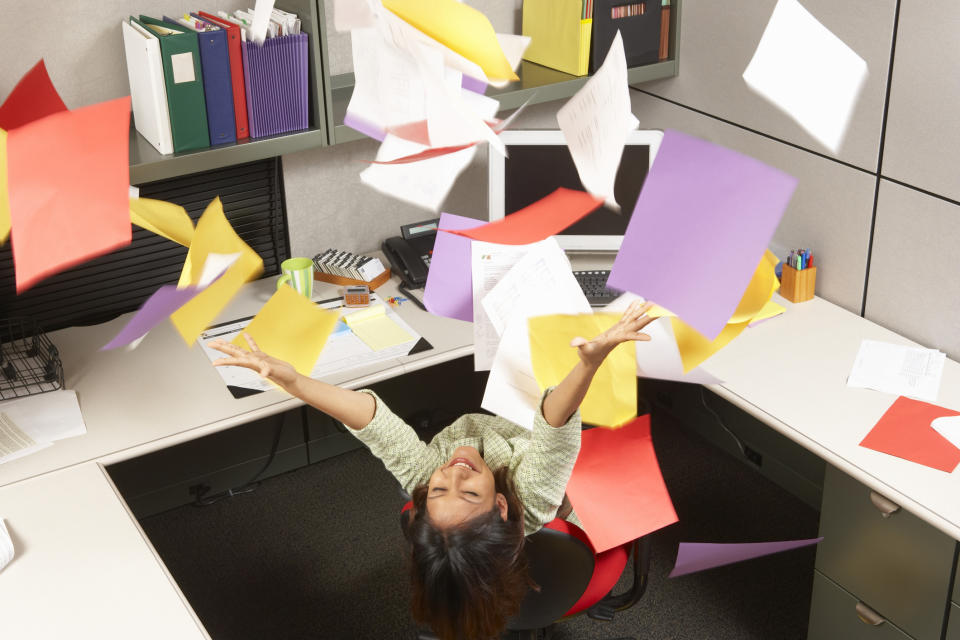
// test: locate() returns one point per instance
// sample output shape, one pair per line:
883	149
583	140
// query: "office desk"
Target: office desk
164	393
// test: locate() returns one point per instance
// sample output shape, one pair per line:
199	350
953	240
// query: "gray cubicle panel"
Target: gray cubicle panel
831	208
922	141
718	40
913	287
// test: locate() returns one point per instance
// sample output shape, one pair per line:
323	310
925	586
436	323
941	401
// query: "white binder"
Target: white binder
148	93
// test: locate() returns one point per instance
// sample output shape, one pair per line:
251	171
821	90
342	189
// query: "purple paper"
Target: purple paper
472	84
449	290
701	224
159	306
698	556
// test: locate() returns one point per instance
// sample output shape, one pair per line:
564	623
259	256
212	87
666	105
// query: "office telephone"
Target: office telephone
409	253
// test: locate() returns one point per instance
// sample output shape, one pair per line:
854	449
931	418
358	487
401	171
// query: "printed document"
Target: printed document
902	370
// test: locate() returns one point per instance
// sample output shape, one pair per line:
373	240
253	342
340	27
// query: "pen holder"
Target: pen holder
797	286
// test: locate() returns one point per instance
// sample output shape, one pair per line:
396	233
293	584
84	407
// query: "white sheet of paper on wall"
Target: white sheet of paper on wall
808	72
182	64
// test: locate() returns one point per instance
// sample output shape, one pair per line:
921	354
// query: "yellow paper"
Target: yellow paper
291	328
769	310
611	399
376	328
459	27
213	235
4	195
557	38
165	219
694	348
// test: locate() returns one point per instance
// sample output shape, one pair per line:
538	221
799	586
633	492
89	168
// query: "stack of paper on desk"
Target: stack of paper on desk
35	422
899	369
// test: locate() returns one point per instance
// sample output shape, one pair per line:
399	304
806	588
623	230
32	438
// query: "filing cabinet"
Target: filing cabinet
838	616
883	557
953	622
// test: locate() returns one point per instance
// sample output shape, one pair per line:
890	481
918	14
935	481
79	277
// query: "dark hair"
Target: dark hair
468	579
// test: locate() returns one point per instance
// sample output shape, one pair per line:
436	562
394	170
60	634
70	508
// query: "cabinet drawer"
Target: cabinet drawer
953	622
899	565
956	584
833	615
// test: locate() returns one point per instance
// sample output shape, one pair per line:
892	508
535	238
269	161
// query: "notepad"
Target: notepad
376	328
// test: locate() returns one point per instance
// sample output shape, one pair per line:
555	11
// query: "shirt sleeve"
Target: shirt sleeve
397	445
542	473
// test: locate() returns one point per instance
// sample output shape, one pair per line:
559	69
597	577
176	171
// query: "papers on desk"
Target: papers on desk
343	351
902	370
911	430
6	546
35	422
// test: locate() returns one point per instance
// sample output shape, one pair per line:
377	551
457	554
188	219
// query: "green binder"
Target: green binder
182	75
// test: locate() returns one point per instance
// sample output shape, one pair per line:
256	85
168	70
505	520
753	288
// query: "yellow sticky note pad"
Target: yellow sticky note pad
4	194
376	328
459	27
291	328
612	398
168	220
213	235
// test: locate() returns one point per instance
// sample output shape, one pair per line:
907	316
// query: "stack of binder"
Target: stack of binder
196	82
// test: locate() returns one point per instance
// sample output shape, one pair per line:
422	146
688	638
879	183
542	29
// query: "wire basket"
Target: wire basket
29	363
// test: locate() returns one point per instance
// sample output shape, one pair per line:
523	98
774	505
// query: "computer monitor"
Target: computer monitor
539	162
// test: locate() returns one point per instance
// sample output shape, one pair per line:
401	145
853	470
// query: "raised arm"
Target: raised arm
352	408
567	396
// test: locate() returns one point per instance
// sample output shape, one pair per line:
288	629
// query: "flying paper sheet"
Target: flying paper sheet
699	556
449	290
166	300
34	97
905	431
4	193
808	72
899	369
68	177
291	328
351	14
6	546
168	220
377	330
212	235
595	123
542	219
460	27
770	310
704	215
425	183
616	487
612	397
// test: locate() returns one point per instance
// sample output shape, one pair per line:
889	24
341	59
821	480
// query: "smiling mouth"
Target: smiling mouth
462	462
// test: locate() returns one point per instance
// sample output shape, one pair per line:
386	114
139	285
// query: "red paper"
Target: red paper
33	98
412	131
538	221
68	178
426	154
904	431
616	488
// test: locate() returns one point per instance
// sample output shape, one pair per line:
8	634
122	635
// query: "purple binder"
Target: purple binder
276	75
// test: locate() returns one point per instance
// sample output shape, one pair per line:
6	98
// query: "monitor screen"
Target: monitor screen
539	162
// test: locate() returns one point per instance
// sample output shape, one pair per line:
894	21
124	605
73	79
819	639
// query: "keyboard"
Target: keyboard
594	285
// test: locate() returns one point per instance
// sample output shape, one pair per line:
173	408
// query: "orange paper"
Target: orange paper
538	221
616	488
68	179
904	431
33	98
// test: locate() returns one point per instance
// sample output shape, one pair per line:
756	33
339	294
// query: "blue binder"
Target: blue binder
217	85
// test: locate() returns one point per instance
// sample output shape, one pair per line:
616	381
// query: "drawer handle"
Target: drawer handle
868	615
885	506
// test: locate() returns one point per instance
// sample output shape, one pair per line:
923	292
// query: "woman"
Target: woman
479	487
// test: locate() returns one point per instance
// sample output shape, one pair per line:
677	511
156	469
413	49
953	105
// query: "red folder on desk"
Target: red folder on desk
236	72
904	431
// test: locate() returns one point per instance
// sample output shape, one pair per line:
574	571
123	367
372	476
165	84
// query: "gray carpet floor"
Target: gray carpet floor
318	553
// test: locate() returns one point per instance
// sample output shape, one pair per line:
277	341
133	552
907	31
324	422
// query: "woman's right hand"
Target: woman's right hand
275	370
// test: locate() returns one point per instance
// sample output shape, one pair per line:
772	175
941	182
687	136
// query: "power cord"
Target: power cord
723	426
251	485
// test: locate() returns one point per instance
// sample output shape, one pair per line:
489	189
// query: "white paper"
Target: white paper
182	65
12	438
488	264
6	546
595	123
914	372
949	428
512	391
351	14
425	183
261	20
808	72
47	417
214	267
513	47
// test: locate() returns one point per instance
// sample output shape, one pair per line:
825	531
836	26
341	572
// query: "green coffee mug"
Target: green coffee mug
298	273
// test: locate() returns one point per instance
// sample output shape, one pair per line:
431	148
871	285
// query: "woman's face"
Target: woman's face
461	488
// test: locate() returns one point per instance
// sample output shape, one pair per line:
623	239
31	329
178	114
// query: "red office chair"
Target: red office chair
573	579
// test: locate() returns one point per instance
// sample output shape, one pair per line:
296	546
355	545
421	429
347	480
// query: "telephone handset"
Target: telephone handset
409	253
